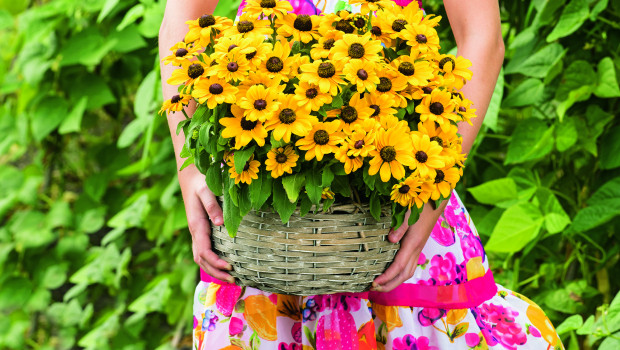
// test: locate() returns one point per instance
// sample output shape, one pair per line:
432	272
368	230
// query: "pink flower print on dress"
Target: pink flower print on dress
296	332
336	331
472	339
304	7
442	233
472	247
409	342
504	328
226	297
428	316
443	269
235	326
421	259
291	346
533	331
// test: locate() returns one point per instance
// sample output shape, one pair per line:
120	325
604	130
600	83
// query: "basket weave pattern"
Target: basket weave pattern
339	251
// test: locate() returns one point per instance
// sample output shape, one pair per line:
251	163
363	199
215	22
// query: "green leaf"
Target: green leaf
517	226
305	205
327	177
15	292
48	114
375	206
293	184
341	185
538	64
576	75
73	121
609	191
607	82
369	180
260	189
92	86
600	6
214	179
337	101
556	218
565	134
127	40
131	16
87	47
130	133
144	103
490	118
413	216
581	94
108	6
281	204
596	215
610	149
30	230
313	185
529	92
232	216
573	16
571	323
133	215
532	139
241	157
495	191
245	204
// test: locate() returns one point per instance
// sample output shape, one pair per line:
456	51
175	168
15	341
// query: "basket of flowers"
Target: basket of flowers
318	133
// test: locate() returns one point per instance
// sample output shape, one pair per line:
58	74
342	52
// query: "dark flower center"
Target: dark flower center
329	43
440	176
248	124
356	50
231	47
399	25
404	189
216	89
421	157
245	26
287	116
195	70
181	52
359	22
376	31
438	140
206	21
274	64
377	110
321	137
436	108
344	26
250	55
421	38
348	114
326	70
311	93
406	68
362	74
268	4
359	144
446	60
175	98
427	89
232	67
462	109
246	166
303	23
385	85
281	158
259	105
388	153
457	94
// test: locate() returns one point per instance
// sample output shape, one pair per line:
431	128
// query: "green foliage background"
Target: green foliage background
94	245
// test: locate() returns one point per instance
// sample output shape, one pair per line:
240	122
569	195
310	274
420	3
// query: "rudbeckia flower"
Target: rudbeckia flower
232	67
410	191
214	91
248	26
324	45
302	28
325	74
362	74
267	8
290	118
444	182
351	163
175	103
370	5
323	139
353	46
188	73
249	173
413	70
242	129
259	103
200	29
454	70
392	153
438	107
181	52
310	96
427	155
277	62
354	113
281	160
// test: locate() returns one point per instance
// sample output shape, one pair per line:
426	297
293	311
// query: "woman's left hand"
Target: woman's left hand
414	238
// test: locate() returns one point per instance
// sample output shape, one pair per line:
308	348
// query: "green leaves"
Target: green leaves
538	64
241	157
314	179
517	226
532	139
607	82
49	113
281	204
495	192
260	189
573	16
293	184
527	93
603	206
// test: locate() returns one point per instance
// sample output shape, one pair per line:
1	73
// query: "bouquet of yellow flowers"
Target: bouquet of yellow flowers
298	111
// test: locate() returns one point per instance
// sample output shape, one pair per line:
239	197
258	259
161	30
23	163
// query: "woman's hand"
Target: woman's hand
414	238
200	207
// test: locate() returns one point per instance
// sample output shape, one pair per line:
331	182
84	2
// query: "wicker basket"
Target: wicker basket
342	250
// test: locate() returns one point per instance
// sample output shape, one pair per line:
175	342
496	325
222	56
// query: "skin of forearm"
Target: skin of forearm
171	31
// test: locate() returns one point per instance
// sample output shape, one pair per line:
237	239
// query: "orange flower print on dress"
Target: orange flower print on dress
260	313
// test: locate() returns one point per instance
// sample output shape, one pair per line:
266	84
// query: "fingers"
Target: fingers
395	235
203	255
396	274
214	211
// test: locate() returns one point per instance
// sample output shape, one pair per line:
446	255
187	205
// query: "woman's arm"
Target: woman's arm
200	203
477	29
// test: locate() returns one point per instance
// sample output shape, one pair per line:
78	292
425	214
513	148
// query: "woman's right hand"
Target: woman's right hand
200	207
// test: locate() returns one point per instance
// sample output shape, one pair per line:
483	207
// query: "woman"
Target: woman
438	292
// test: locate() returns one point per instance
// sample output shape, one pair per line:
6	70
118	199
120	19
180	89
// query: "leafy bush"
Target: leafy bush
94	246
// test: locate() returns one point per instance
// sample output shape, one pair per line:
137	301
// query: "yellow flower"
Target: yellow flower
248	26
189	72
231	67
390	86
438	107
362	74
362	140
422	38
326	74
278	62
175	104
310	96
370	5
397	18
297	61
427	155
392	153
410	191
302	28
181	52
351	163
381	29
290	119
444	181
327	193
242	129
250	171
354	113
200	29
381	104
445	139
326	42
281	160
228	44
463	109
214	91
259	103
340	20
323	139
266	8
454	70
353	46
413	70
257	49
260	78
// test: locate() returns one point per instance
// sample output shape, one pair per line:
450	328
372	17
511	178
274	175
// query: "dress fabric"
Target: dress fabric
451	301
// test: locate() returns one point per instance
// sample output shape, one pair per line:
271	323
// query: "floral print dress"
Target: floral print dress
451	302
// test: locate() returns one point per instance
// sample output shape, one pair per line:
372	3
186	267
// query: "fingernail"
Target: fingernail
229	267
374	284
218	220
376	288
231	280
